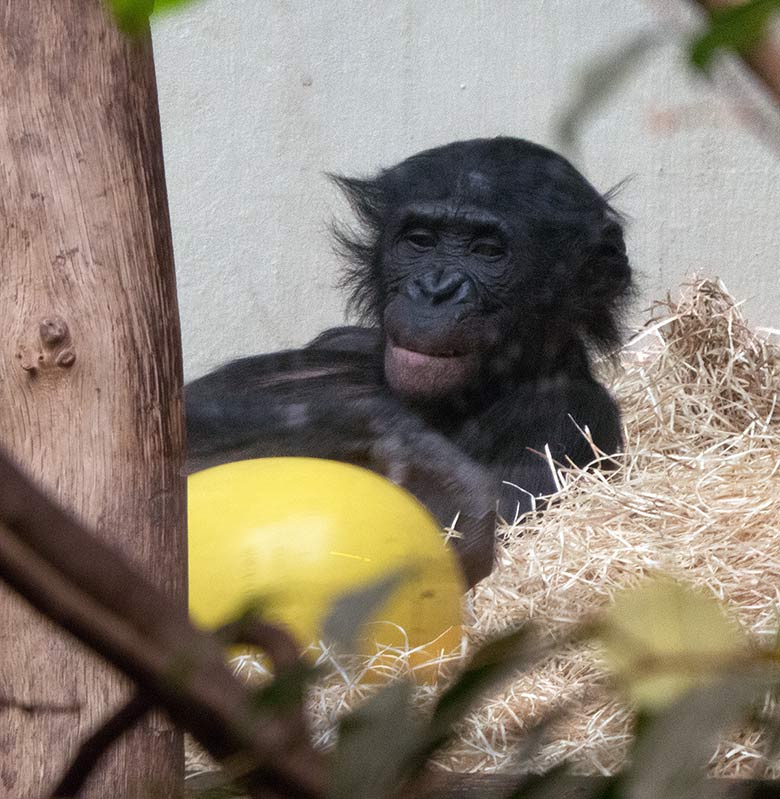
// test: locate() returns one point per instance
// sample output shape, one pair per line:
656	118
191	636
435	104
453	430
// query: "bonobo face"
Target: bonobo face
443	271
482	258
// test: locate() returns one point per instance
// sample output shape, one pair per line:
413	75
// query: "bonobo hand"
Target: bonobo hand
458	491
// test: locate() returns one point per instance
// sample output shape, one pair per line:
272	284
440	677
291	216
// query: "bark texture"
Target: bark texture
90	367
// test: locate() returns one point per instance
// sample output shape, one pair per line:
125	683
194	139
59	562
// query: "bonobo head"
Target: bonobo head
483	259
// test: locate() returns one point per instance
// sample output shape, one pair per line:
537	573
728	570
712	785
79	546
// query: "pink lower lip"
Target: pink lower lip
415	358
417	374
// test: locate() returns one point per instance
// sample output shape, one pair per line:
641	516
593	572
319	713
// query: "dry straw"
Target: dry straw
696	495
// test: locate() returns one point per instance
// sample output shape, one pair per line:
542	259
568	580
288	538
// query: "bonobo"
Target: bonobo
486	272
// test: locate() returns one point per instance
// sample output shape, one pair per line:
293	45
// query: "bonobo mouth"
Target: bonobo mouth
428	375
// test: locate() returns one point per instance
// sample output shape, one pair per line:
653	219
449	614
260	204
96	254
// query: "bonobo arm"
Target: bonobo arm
332	404
349	338
545	415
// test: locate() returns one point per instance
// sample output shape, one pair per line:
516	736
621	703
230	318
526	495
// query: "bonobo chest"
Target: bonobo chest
558	414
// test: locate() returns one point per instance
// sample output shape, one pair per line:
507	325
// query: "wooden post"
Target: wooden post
90	367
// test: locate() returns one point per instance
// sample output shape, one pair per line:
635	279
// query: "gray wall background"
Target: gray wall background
260	97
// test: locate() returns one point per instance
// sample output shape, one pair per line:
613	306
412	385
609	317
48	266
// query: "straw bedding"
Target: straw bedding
696	496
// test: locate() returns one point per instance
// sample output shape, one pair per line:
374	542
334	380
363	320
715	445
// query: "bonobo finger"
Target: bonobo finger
475	546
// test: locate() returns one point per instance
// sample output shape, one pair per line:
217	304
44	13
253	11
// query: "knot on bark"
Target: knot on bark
53	347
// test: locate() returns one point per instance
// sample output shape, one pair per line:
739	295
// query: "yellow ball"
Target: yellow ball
297	533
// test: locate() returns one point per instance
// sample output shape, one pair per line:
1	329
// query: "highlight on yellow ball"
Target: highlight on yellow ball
295	534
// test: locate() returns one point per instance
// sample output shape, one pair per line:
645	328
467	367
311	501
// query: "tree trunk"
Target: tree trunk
90	367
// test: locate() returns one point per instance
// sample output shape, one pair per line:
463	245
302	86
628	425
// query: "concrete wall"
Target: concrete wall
259	99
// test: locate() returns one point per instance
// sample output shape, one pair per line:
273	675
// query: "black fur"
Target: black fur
485	272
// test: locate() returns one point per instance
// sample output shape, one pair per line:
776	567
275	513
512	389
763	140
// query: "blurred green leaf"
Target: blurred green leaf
771	728
551	784
663	638
222	792
736	28
670	755
352	610
611	789
212	785
490	665
254	608
598	81
383	743
132	16
558	782
161	5
375	743
287	690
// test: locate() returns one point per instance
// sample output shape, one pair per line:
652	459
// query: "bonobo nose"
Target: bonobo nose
445	286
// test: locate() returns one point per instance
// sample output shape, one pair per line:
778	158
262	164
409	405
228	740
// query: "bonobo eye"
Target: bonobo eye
420	239
489	249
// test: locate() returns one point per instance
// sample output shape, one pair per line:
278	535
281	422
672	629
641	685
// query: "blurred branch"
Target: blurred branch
93	747
78	581
597	83
742	28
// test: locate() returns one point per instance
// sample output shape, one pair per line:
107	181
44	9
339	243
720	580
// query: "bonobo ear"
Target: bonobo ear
359	245
605	285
